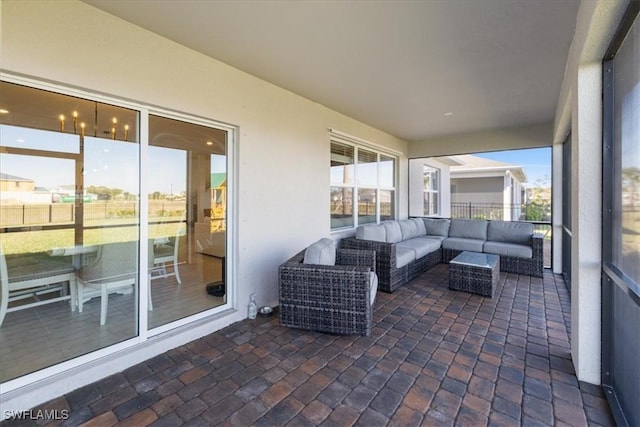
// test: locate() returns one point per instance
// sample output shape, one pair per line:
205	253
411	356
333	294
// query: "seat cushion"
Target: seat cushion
422	246
437	226
373	232
404	256
508	249
373	287
468	228
510	232
460	244
322	252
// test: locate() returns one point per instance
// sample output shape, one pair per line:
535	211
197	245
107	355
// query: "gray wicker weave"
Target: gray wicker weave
391	277
328	298
474	272
528	266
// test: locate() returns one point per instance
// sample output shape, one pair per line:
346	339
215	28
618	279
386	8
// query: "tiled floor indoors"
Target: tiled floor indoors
435	357
51	333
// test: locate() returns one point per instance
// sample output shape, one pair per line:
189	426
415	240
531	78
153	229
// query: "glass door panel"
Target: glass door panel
69	216
187	218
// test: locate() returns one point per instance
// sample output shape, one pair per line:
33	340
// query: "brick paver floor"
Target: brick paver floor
435	357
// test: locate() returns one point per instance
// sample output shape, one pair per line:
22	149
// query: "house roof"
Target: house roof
7	177
218	180
469	163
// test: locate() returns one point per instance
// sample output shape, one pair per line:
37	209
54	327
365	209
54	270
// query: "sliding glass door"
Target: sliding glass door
187	218
69	212
88	260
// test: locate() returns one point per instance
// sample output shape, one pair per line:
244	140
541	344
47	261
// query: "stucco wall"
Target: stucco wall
478	190
282	148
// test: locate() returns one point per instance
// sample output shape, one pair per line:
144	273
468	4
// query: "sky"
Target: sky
535	161
114	164
108	163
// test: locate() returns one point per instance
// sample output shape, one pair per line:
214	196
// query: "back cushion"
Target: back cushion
322	252
394	233
436	226
408	229
468	228
374	233
510	232
420	226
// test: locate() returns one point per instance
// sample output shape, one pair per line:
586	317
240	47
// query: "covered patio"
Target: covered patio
434	357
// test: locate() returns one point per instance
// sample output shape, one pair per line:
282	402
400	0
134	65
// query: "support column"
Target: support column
557	206
586	201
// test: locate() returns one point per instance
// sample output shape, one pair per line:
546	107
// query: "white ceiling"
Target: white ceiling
416	69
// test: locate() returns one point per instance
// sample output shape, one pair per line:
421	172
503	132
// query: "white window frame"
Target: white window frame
434	192
359	144
148	342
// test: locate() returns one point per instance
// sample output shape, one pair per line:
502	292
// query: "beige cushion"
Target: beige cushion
322	252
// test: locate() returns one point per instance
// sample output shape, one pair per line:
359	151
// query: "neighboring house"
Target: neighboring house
16	183
465	186
17	190
486	188
429	180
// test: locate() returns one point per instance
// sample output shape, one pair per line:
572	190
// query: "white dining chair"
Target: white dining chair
31	279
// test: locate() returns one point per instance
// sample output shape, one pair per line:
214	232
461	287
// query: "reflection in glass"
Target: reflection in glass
69	190
366	205
387	171
387	205
626	213
187	218
341	207
367	168
341	164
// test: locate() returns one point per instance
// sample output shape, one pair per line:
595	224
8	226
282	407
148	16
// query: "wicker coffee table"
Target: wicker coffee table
474	272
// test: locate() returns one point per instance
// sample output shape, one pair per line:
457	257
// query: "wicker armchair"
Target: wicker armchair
336	298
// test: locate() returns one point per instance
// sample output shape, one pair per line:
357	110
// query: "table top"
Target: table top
476	259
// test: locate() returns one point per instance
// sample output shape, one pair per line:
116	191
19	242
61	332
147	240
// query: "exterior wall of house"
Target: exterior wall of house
21	186
416	195
477	190
282	148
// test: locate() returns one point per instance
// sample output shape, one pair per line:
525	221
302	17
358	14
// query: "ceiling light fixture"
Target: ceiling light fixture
209	143
4	111
448	114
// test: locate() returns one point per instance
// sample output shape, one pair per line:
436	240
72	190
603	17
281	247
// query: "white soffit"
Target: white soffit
416	69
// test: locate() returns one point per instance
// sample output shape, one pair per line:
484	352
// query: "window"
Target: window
621	221
624	169
364	177
431	186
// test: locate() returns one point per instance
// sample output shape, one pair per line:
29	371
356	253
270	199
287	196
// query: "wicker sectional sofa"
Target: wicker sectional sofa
403	250
406	248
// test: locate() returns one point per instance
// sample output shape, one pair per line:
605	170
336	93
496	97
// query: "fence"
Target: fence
20	215
523	212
